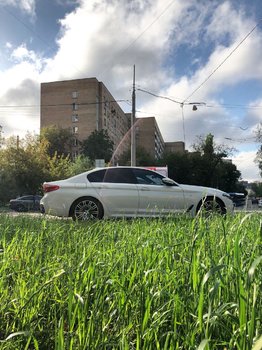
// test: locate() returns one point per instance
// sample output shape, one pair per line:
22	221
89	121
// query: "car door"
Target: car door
156	198
27	202
117	190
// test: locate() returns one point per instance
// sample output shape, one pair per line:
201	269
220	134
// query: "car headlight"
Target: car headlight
227	195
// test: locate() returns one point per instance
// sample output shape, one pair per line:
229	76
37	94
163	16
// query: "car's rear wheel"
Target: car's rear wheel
211	205
87	208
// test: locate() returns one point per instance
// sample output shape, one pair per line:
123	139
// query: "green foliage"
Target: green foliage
25	166
171	284
257	189
22	167
143	158
80	165
58	167
59	140
205	166
98	146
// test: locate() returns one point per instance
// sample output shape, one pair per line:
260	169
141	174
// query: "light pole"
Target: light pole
133	119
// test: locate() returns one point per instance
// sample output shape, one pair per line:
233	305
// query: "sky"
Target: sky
185	52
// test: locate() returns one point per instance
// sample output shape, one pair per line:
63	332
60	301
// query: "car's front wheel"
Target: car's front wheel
211	206
87	208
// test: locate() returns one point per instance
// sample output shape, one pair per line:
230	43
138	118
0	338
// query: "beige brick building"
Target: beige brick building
149	136
86	105
83	106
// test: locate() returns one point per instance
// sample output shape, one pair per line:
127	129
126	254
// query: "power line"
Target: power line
143	32
163	97
227	57
206	104
62	104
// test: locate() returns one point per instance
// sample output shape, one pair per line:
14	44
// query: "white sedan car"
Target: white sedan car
128	192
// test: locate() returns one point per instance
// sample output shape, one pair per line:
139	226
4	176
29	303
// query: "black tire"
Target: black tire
87	208
211	206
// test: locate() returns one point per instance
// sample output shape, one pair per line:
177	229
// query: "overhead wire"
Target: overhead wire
206	104
225	59
143	32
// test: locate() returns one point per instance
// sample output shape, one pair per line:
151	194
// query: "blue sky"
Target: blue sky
175	46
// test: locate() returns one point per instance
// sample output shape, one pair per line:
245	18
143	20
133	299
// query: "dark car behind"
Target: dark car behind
25	203
239	199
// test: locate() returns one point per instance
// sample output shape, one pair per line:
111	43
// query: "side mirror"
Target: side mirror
168	182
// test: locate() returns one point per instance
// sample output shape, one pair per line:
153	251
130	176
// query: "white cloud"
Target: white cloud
22	54
245	163
27	6
8	45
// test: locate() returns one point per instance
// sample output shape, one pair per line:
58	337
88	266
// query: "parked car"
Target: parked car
260	203
239	199
127	192
254	200
25	203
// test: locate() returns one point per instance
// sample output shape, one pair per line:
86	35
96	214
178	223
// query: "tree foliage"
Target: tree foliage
257	189
59	140
143	158
80	165
98	146
24	166
205	166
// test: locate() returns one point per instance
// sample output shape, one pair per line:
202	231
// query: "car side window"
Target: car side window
27	198
112	175
119	175
96	176
147	177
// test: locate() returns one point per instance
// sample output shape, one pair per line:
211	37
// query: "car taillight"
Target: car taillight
50	188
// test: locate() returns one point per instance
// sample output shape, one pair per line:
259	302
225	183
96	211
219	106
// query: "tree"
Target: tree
179	166
25	166
143	158
98	146
211	161
205	166
80	165
257	189
60	141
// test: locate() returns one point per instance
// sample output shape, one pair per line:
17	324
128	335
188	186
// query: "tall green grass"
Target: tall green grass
131	284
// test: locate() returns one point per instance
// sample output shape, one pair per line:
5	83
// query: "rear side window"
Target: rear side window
115	175
96	176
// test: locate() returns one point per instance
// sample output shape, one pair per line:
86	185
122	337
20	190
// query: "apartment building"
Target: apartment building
149	136
83	106
86	105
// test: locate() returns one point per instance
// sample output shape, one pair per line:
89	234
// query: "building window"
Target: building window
75	129
75	118
74	94
75	106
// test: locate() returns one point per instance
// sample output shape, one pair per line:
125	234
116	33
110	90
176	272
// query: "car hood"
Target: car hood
202	189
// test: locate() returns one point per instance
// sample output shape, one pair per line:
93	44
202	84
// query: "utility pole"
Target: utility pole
133	120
